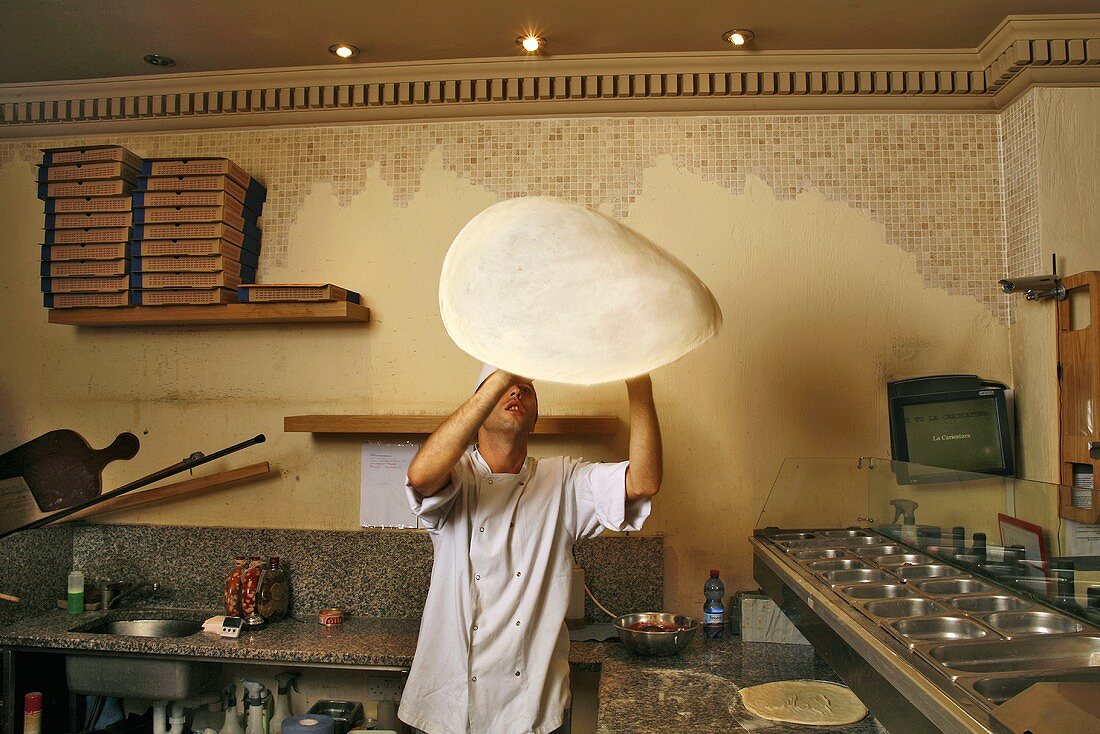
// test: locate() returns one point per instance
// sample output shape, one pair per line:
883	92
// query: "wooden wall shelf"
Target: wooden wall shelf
229	313
548	425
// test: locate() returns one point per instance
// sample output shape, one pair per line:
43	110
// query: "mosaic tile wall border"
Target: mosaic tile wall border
933	181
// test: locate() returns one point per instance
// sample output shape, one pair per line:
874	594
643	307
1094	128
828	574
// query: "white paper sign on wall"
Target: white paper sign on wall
382	500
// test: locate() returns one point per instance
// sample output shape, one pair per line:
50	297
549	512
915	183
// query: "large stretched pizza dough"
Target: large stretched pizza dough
553	290
804	702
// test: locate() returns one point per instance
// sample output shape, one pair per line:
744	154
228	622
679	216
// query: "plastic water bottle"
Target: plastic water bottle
714	613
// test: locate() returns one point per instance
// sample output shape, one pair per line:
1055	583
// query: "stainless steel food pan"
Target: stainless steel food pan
791	536
857	576
846	534
954	587
927	571
836	564
940	628
877	591
911	607
1032	623
818	554
989	603
1025	653
903	559
996	689
793	545
880	550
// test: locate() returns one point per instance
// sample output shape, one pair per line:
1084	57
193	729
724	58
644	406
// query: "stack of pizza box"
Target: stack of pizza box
196	237
89	213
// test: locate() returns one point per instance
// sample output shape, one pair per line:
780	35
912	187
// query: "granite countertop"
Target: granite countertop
694	692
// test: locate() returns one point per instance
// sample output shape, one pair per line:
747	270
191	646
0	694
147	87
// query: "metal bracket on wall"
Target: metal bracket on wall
1038	287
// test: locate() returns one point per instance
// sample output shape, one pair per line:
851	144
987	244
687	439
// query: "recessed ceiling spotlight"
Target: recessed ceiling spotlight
343	50
738	36
158	60
531	43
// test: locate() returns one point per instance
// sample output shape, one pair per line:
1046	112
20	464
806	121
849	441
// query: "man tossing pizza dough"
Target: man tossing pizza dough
493	652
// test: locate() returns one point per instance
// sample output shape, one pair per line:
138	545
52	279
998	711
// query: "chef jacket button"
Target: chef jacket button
475	628
518	573
517	623
474	679
490	481
481	530
477	577
517	672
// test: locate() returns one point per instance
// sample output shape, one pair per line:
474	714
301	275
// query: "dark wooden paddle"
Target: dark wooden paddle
10	525
60	469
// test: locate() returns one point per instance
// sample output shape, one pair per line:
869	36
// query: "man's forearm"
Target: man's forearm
430	469
643	478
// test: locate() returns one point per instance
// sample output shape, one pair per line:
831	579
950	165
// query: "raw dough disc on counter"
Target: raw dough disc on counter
553	290
804	702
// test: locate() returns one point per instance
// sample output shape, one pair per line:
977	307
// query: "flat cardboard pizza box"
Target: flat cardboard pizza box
87	251
295	292
184	297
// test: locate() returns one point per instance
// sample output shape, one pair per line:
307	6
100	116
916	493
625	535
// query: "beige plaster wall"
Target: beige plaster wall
822	307
1066	206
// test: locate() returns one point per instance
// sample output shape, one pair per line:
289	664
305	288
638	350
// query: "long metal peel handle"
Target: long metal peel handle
188	463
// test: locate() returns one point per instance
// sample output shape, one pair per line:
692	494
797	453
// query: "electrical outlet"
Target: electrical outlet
385	689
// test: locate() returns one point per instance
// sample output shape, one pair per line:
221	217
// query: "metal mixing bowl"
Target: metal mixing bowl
654	643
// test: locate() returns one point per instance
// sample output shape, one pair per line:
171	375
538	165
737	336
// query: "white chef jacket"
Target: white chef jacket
493	651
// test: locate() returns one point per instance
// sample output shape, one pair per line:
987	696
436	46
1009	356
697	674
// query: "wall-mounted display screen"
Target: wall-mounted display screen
960	434
959	423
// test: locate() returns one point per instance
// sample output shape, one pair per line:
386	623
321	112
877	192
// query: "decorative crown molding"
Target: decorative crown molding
1023	51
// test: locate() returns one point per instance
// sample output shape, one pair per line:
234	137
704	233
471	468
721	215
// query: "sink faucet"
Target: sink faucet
110	601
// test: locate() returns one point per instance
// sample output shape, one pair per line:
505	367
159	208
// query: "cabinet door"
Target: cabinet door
26	671
1079	393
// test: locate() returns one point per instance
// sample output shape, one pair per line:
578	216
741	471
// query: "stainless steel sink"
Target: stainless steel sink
147	627
159	679
124	676
1028	653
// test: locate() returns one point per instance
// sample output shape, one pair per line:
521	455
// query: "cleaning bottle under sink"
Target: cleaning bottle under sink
232	723
255	707
287	679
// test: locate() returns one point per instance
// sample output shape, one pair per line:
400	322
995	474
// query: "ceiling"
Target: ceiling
53	40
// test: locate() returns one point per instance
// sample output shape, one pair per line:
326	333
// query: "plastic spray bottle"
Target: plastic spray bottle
232	723
255	706
287	679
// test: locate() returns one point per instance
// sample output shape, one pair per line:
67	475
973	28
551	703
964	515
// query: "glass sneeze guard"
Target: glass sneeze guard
1003	529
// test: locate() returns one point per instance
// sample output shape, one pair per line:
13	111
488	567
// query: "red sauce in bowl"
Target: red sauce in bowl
655	627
